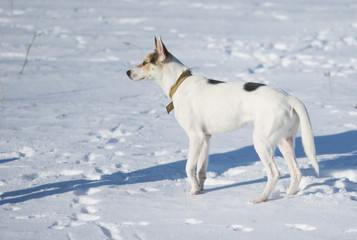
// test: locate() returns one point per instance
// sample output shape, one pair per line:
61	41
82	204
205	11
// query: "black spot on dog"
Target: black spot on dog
251	86
212	81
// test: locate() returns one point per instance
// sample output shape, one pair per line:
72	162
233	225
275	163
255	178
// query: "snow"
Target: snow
86	153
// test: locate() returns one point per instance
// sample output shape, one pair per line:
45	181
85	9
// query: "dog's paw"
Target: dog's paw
258	200
195	191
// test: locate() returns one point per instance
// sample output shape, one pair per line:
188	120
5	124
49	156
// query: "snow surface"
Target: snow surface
85	153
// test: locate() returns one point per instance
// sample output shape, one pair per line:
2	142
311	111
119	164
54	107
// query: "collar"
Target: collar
180	80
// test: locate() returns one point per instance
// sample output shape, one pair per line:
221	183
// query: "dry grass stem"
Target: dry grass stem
27	52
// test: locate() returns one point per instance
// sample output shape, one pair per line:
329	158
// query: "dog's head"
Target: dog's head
152	65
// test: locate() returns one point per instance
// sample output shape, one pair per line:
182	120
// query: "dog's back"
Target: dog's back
225	106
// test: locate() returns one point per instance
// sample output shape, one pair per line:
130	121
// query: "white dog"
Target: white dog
204	107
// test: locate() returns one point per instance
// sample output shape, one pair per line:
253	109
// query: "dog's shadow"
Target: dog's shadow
343	146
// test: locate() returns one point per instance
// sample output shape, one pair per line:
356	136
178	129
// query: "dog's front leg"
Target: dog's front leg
193	155
203	162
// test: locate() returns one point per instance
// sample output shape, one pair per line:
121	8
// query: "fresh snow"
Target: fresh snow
86	153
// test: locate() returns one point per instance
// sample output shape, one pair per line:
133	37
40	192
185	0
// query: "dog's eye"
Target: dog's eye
144	63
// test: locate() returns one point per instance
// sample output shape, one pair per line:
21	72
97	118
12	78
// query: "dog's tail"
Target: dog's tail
306	131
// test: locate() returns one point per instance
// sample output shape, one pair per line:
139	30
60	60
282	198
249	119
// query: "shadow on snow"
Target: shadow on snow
342	148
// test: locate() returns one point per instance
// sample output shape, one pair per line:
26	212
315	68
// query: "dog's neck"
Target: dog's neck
172	70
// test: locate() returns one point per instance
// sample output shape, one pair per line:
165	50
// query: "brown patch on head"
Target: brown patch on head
153	59
150	59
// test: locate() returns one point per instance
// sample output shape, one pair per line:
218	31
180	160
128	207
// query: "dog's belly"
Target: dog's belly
215	117
221	123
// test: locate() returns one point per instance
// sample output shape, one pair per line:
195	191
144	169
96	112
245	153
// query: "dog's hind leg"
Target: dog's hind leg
286	147
203	162
196	143
265	151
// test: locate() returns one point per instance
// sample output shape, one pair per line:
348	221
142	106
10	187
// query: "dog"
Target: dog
204	107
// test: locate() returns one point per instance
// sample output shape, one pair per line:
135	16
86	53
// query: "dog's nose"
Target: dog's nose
128	73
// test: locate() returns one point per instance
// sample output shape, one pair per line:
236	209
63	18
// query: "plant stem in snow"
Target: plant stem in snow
28	51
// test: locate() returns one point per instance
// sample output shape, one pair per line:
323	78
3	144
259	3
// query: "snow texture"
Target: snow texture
86	153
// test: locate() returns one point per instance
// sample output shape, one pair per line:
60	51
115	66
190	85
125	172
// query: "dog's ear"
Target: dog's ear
155	41
161	49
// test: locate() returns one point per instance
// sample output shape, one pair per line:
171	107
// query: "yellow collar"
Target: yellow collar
180	80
